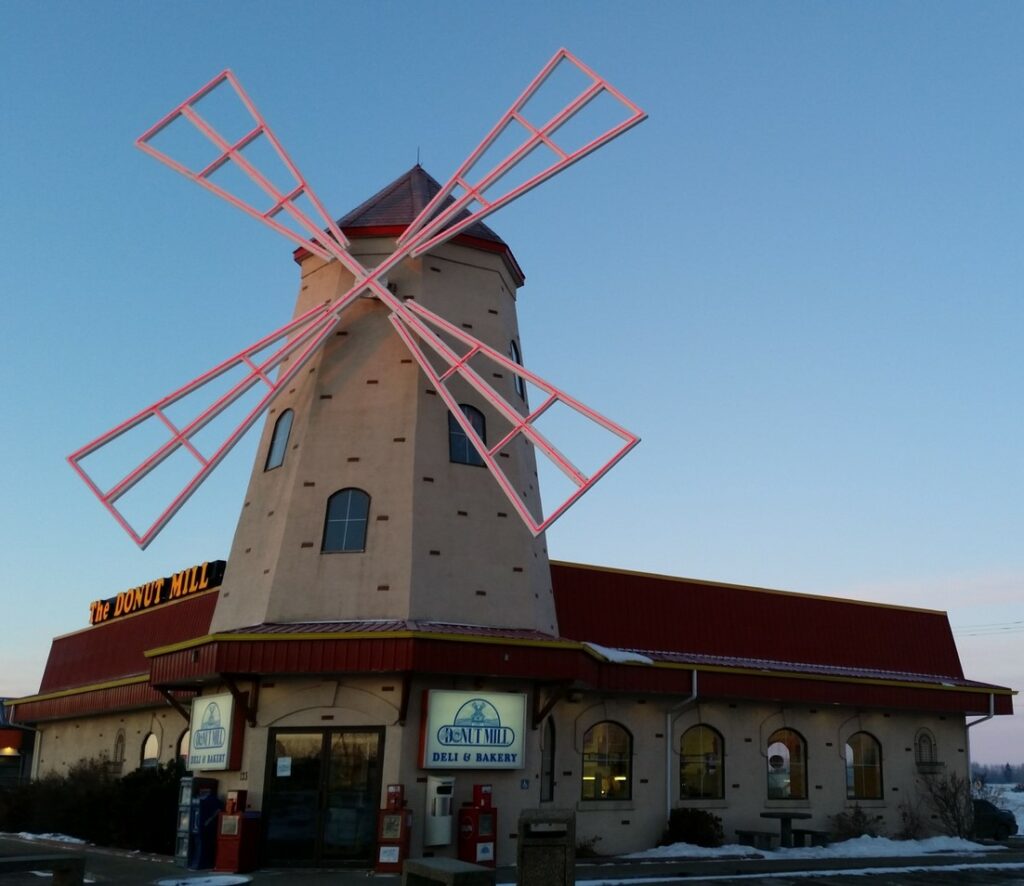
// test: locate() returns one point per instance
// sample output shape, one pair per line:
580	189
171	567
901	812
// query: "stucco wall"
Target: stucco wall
608	827
61	744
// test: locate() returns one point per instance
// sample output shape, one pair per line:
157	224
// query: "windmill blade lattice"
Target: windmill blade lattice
441	220
524	424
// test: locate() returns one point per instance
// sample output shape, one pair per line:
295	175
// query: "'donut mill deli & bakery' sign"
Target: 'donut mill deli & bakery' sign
155	593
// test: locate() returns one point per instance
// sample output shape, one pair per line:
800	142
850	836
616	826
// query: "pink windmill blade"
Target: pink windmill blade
519	424
304	334
441	219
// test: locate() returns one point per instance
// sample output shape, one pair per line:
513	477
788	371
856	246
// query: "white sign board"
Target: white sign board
474	730
210	738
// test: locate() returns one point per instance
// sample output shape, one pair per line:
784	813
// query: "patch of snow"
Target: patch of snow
1005	797
860	847
54	838
618	655
215	880
793	875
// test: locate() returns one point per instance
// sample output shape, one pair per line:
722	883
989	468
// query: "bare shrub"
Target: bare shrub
950	797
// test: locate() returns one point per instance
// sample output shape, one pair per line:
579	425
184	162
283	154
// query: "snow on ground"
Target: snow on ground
53	838
860	847
794	875
1006	797
215	880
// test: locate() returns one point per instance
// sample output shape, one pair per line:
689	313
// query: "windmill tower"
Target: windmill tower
366	501
398	379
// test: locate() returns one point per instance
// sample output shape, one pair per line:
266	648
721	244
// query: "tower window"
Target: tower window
345	526
279	440
513	352
461	450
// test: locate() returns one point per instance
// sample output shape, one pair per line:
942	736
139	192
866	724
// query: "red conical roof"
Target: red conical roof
389	212
401	201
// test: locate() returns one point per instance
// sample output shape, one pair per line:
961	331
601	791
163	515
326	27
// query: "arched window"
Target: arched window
279	440
924	748
787	766
607	762
547	763
513	352
150	751
700	766
118	747
345	525
184	745
460	450
863	767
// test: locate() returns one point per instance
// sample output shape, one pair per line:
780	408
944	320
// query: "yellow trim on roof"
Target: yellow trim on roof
359	635
80	690
579	647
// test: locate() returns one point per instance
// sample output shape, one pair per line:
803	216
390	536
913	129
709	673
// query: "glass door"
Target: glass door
322	793
292	797
353	795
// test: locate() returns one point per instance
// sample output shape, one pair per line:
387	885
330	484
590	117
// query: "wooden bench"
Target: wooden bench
68	870
757	839
450	871
809	837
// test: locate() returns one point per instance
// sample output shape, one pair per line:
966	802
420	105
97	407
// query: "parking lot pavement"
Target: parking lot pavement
120	868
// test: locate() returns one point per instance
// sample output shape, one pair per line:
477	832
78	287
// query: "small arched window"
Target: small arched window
150	751
547	763
863	767
279	440
184	746
607	762
461	450
118	747
513	352
926	751
787	765
345	525
702	753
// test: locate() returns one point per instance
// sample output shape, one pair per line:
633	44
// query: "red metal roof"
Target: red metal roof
403	200
117	648
651	612
389	212
741	642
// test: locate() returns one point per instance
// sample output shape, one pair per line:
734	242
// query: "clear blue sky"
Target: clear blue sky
800	281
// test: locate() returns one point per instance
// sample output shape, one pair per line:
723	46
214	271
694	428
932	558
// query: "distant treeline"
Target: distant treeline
994	773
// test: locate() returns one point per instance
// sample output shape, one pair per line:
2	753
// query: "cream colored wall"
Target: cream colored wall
63	743
608	827
366	417
626	826
316	704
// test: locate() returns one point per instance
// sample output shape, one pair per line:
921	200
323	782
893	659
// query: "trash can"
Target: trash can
546	854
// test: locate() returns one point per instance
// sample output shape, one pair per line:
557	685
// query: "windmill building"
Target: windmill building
385	618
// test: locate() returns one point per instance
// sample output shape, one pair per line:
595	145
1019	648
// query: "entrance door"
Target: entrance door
322	794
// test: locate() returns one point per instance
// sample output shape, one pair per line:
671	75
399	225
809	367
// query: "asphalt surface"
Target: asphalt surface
106	866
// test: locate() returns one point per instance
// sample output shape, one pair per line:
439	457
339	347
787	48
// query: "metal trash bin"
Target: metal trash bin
546	854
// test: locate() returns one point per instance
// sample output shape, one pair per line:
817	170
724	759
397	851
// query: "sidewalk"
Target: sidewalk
121	868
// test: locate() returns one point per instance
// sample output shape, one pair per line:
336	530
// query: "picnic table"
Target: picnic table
786	817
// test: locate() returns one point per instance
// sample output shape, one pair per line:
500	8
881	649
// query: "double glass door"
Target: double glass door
322	794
